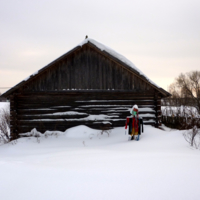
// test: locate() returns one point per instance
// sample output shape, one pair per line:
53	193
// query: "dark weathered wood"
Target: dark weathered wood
37	110
87	69
63	125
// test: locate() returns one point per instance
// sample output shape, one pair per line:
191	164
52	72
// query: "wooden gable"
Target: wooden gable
87	68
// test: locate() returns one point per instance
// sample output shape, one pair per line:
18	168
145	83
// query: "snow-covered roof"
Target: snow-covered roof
117	55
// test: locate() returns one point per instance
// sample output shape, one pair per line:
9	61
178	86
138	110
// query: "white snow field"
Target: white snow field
3	106
81	163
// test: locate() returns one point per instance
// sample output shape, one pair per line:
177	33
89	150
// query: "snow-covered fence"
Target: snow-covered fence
183	117
178	102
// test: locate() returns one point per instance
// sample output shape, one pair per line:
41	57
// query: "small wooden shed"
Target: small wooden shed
89	85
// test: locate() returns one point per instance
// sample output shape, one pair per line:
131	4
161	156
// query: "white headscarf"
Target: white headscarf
135	106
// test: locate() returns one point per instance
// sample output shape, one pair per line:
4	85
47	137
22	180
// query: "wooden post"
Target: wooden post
159	111
156	108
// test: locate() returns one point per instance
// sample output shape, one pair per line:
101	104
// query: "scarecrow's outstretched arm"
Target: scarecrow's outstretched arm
127	121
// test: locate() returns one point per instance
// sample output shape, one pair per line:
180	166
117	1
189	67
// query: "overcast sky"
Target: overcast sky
162	38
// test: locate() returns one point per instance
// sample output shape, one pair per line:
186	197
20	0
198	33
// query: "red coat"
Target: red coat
135	123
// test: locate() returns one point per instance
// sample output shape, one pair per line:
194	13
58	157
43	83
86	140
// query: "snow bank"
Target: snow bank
74	166
3	106
81	132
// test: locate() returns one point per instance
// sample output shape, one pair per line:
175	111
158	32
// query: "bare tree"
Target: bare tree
193	137
4	126
187	89
182	109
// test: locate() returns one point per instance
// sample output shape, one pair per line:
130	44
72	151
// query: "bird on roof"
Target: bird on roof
86	37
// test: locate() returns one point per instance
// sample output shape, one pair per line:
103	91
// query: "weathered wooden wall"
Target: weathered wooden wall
85	69
59	111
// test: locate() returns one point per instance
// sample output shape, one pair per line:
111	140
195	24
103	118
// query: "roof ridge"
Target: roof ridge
117	55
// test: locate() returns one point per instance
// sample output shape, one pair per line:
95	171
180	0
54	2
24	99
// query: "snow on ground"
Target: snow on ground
83	164
4	106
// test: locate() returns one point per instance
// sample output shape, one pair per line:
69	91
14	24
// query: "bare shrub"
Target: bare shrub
193	137
106	129
5	126
184	118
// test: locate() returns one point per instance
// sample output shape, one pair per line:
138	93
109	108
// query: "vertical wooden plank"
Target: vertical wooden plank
156	108
86	68
81	70
107	73
65	68
68	74
103	72
117	76
97	78
89	68
85	79
93	68
71	72
74	71
117	79
76	68
57	79
64	75
124	79
111	76
159	111
61	75
133	82
128	80
100	71
120	77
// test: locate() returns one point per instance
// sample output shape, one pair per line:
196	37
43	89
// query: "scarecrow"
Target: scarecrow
135	123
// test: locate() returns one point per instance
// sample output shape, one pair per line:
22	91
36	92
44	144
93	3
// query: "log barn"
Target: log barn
90	85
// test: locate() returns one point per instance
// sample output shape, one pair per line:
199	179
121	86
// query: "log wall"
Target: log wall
60	111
